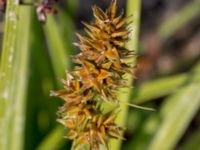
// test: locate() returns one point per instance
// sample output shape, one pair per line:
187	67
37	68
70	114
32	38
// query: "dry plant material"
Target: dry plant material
42	8
3	5
45	7
96	78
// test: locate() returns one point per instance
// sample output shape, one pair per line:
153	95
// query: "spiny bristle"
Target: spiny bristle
97	77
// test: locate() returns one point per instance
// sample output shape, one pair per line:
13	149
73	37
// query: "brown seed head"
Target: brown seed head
97	77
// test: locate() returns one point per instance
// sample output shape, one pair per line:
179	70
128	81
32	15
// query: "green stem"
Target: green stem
59	46
59	36
56	47
133	8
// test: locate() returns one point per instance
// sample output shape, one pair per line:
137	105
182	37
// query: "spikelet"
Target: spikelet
103	55
96	78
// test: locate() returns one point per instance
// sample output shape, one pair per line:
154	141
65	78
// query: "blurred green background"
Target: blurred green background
34	57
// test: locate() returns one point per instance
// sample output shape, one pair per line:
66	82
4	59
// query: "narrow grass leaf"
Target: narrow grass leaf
158	88
182	17
14	65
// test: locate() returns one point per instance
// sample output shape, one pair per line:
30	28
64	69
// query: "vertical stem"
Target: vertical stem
13	75
57	49
133	8
60	51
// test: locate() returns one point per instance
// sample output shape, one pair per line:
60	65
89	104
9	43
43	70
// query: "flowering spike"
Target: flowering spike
97	77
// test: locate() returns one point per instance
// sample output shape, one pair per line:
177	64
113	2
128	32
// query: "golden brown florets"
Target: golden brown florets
97	77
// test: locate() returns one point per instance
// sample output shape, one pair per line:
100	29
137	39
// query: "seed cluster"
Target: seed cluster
96	78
